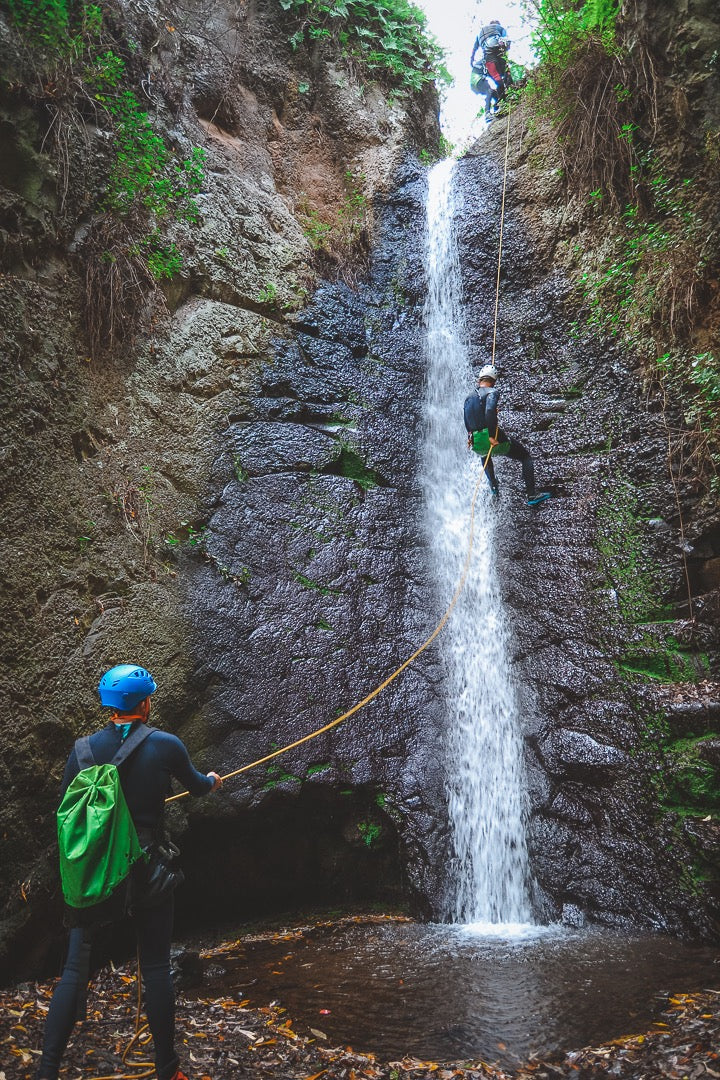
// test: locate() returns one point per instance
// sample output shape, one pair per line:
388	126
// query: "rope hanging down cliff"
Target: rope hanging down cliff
463	577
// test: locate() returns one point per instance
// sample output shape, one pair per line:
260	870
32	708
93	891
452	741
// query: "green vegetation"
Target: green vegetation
59	28
624	562
239	471
186	534
351	465
637	587
147	188
370	832
84	541
699	374
562	26
445	149
388	39
315	586
690	784
661	657
313	770
685	781
653	282
277	775
235	577
268	294
342	235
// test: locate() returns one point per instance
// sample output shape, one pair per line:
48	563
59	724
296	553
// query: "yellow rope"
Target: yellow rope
502	222
386	682
378	689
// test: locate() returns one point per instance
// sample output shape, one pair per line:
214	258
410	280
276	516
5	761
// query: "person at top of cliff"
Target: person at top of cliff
145	781
487	438
493	43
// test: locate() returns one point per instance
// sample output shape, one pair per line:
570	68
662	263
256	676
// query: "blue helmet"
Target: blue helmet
125	686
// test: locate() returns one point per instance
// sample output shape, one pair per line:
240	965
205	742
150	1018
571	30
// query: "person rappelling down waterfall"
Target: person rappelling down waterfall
481	417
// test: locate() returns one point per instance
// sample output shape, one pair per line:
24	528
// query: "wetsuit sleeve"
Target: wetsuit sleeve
491	417
184	771
471	410
476	46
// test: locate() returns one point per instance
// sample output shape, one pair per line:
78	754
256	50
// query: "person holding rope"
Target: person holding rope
148	895
481	418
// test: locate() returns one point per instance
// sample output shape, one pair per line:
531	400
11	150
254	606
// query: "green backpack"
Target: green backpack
97	837
481	444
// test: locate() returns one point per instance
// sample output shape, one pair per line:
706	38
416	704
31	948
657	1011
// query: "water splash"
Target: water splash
485	786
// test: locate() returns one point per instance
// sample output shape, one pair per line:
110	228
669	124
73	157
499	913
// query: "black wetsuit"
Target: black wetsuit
145	779
146	775
480	412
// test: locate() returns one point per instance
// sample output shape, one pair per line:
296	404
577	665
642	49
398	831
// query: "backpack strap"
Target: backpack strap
83	753
131	743
86	758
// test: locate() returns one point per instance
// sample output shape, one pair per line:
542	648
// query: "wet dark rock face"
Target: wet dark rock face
314	590
615	688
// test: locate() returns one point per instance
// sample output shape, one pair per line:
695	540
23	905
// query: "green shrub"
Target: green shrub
57	28
146	185
387	38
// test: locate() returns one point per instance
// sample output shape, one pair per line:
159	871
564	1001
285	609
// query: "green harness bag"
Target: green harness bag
481	444
97	837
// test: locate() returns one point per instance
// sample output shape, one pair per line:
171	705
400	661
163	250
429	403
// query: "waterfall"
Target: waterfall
485	788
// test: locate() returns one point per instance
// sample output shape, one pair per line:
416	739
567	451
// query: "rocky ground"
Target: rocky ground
227	1039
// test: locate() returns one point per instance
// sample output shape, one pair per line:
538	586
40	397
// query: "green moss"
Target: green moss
370	832
640	614
308	583
276	776
313	770
665	661
624	559
351	465
686	783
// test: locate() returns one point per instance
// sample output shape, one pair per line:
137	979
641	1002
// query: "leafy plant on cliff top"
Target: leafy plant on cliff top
586	85
560	25
387	38
59	27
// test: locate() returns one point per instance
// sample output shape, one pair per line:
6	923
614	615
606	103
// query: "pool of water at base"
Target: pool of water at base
450	993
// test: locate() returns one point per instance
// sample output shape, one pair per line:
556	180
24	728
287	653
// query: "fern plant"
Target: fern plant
387	38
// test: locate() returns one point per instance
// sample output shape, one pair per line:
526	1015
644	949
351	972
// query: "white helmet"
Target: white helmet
488	372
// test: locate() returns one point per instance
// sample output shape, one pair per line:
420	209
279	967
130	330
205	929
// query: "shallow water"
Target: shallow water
446	993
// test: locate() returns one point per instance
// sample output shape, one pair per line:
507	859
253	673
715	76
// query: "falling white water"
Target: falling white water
485	788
